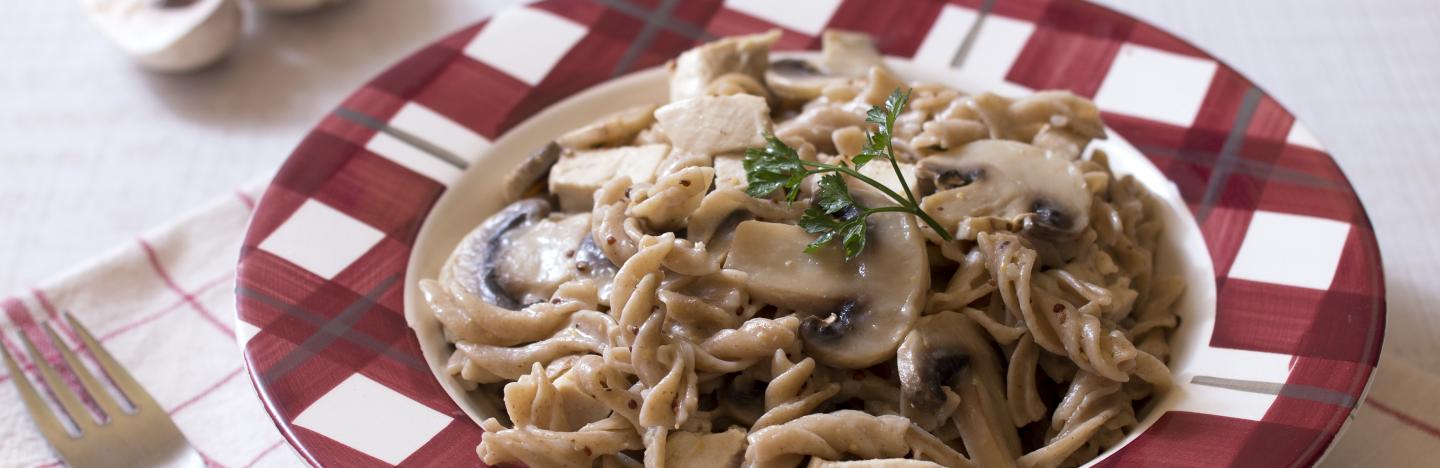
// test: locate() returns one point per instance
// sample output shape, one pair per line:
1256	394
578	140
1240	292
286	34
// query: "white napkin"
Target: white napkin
164	306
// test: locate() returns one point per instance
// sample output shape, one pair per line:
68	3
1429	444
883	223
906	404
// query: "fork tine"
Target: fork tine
49	425
67	398
131	389
97	392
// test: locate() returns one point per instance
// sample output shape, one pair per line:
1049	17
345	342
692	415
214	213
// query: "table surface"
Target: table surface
83	133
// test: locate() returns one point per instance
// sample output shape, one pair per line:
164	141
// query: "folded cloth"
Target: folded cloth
164	306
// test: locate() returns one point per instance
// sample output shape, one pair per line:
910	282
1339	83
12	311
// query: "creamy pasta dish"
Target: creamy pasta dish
813	262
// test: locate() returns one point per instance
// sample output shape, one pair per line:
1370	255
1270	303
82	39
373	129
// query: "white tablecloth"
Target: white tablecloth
84	135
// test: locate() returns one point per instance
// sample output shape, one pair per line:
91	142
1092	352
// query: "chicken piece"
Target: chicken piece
577	175
716	124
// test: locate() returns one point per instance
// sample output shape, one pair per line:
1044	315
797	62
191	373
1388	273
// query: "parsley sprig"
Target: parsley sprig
835	214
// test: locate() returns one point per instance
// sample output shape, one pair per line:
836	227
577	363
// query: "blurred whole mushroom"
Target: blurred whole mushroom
169	35
292	6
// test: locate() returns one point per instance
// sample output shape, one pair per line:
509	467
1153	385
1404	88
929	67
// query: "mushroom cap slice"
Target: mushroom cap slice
934	356
948	355
520	255
526	179
798	80
855	312
844	56
1041	193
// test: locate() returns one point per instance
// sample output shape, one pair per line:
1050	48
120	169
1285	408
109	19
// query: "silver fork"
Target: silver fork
143	437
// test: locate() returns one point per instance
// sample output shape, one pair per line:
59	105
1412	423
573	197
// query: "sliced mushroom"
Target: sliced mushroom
882	172
798	80
520	255
844	56
1042	194
692	72
525	181
612	130
856	312
947	353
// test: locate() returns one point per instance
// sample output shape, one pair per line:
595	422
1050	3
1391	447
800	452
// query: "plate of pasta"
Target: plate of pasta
1035	233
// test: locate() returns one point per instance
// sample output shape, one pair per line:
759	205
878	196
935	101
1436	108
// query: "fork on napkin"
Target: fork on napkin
164	307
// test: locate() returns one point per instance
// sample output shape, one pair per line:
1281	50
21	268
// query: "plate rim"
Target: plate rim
294	163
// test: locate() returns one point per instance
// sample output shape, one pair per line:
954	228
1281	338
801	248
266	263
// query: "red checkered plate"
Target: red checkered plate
1282	322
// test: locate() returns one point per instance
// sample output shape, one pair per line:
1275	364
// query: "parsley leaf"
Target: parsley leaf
834	213
894	105
855	237
773	167
833	196
850	232
815	221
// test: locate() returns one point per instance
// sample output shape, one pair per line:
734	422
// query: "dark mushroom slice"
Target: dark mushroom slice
529	179
798	80
1041	193
855	312
844	56
948	352
518	256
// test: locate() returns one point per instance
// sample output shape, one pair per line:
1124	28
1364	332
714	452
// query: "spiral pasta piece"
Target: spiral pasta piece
539	447
790	393
829	436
